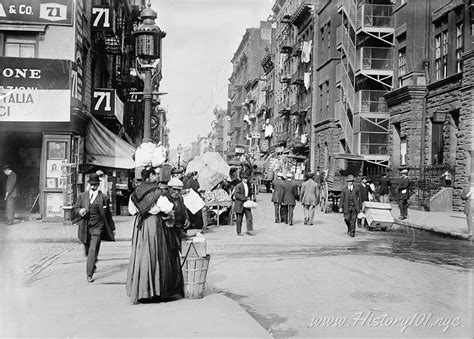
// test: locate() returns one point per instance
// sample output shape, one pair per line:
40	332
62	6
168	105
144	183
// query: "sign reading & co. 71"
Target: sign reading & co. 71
53	12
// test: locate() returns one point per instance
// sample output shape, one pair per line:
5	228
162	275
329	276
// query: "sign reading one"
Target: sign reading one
106	102
54	12
34	89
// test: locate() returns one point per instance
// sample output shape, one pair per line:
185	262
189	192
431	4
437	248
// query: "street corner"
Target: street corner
227	317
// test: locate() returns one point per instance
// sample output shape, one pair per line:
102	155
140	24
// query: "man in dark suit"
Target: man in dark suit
277	195
96	223
242	194
11	192
403	190
350	200
290	195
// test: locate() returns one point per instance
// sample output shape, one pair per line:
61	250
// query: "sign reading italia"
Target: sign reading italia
34	90
54	12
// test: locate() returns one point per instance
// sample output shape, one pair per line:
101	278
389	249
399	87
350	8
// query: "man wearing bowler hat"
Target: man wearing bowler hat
403	190
95	224
350	200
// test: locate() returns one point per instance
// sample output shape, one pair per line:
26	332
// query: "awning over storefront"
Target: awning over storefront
104	148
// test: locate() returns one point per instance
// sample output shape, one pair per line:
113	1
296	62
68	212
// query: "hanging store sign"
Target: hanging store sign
53	12
35	90
239	150
103	19
105	102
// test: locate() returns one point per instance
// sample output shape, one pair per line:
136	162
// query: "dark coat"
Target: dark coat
345	196
467	200
192	183
278	190
364	192
384	186
11	186
290	194
240	197
109	225
403	189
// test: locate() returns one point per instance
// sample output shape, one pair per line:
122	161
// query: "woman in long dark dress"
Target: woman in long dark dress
154	271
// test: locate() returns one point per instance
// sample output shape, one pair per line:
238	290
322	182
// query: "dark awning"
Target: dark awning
104	148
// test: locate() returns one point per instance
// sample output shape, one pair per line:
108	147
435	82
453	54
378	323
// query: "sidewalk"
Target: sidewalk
448	223
60	303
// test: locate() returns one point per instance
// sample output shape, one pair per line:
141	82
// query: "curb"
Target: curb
456	235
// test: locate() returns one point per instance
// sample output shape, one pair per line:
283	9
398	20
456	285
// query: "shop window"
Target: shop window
20	45
55	165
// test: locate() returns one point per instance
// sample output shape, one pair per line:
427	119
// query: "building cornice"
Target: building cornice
404	93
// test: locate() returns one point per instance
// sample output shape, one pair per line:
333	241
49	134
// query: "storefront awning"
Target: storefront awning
104	148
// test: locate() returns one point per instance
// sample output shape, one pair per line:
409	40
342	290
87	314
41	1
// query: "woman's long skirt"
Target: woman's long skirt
154	269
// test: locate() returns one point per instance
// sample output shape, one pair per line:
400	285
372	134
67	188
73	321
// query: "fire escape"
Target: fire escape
365	40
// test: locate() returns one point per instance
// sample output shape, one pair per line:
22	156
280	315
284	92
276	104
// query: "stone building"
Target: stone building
69	67
431	105
244	89
220	130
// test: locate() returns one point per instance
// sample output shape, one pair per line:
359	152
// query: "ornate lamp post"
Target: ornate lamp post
179	150
148	38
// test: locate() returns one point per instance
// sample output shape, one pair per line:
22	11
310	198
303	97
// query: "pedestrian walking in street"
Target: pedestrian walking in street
181	218
154	272
290	195
365	191
466	195
403	190
242	194
11	193
308	198
323	191
350	200
277	195
95	224
384	188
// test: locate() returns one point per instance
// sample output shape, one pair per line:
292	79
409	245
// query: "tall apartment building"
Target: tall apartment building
431	105
294	48
246	89
64	74
220	130
365	39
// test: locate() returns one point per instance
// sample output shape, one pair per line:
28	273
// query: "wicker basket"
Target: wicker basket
194	274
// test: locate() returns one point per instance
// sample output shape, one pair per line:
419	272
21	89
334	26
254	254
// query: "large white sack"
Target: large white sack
144	154
159	156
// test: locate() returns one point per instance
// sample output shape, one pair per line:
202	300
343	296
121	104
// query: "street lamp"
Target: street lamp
179	150
148	38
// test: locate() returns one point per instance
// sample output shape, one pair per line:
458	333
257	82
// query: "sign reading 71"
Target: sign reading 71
102	19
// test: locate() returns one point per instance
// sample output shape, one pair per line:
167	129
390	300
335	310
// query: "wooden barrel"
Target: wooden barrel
194	274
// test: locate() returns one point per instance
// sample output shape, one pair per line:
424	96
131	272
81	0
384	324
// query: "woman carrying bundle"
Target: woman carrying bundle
154	272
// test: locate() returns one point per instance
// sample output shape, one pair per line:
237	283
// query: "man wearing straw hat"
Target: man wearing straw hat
96	223
350	200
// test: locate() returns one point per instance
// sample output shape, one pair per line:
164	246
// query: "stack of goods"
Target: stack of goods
150	154
216	196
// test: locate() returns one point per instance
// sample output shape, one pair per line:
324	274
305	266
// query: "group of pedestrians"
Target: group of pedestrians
154	271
